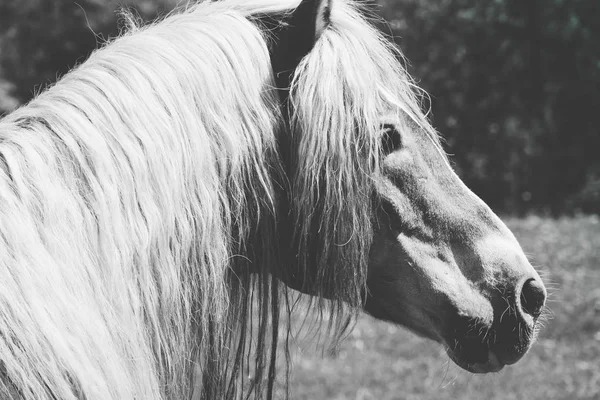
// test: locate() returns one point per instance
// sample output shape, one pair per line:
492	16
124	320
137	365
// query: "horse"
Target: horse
165	199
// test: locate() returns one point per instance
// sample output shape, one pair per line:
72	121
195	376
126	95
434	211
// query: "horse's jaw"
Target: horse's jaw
479	318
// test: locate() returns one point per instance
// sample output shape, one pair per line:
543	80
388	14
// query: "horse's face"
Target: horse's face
442	264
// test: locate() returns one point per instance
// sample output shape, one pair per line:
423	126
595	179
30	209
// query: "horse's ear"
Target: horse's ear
296	36
311	18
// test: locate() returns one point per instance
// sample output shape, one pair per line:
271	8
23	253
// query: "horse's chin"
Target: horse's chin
493	363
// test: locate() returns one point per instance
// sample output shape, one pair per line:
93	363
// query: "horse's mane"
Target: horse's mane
139	197
347	87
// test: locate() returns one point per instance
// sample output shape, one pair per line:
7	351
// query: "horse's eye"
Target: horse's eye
390	139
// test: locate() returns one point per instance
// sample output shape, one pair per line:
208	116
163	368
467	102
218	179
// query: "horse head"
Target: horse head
378	218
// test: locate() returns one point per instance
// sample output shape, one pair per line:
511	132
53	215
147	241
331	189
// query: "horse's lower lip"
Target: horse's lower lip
493	364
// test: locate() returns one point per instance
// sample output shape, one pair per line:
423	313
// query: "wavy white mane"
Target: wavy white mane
139	197
343	91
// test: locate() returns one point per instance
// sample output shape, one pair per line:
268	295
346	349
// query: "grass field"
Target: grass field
381	361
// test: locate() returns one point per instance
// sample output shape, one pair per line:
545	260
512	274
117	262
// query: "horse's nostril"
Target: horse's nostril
533	297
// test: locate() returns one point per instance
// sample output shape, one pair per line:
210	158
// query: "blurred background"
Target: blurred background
515	90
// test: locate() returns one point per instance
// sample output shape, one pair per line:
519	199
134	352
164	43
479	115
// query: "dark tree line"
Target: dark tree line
515	88
514	84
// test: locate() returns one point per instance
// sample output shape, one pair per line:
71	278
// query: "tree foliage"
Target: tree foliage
514	84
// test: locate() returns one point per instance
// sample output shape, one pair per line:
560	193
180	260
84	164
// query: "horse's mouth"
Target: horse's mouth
480	358
480	347
493	363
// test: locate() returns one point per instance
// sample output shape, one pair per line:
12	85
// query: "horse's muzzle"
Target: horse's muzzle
480	348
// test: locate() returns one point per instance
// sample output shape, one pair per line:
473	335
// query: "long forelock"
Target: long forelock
343	90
